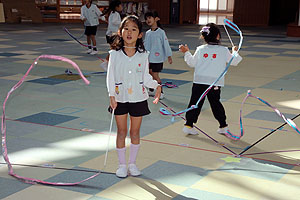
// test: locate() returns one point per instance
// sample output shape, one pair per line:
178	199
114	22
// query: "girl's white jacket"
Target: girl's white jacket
128	77
209	62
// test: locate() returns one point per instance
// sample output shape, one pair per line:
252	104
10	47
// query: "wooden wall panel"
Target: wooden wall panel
163	9
251	12
188	11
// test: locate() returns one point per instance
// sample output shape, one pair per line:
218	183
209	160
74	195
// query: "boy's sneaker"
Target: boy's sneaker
121	171
133	170
223	131
89	51
190	131
162	96
94	52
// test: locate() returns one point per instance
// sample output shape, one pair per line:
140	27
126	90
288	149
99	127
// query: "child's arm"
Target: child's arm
110	83
99	13
237	58
167	48
190	59
157	94
82	17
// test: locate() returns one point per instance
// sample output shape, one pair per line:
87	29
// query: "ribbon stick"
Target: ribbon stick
77	40
110	129
228	35
3	123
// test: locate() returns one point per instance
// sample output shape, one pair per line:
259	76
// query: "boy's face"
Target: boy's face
150	20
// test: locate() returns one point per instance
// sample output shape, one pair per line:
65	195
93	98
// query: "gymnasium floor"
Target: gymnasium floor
58	129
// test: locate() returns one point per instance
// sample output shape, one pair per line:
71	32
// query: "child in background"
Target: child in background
156	42
114	20
209	61
90	14
127	77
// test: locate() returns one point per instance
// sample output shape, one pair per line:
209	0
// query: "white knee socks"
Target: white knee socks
122	155
134	148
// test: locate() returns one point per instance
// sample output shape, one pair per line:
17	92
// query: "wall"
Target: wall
188	11
163	9
283	12
251	12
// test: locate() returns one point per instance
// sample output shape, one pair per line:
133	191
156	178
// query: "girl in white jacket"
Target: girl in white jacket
127	77
209	61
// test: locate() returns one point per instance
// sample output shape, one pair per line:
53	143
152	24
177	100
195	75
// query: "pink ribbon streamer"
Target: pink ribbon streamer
3	127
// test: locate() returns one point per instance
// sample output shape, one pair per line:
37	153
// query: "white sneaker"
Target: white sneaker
223	131
190	130
94	52
121	171
133	170
89	51
162	96
103	65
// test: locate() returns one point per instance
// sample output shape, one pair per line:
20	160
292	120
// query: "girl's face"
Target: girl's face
130	33
119	8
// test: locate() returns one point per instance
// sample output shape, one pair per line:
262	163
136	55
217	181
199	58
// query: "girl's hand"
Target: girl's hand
157	94
234	48
184	48
170	60
112	102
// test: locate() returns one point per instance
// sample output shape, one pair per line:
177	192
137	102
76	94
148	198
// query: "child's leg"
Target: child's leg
88	40
216	106
192	115
135	125
121	121
93	38
155	76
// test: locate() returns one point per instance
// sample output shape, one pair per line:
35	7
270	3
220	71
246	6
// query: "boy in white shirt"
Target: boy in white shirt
90	14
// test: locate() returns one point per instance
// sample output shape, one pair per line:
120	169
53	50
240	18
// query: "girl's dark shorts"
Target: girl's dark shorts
137	109
156	67
90	30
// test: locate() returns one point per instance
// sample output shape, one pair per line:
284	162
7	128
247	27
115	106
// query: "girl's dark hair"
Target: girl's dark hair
118	42
153	14
211	35
112	7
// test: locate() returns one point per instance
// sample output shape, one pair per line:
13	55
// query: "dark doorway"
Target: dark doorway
283	12
175	12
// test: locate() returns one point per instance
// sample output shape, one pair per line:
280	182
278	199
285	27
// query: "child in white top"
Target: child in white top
156	42
209	61
90	14
114	19
127	77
